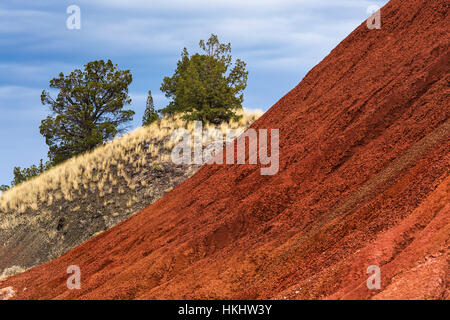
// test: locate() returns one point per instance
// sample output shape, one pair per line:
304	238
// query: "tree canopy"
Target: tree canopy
88	110
207	87
150	114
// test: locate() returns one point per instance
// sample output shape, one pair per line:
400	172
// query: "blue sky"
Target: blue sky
281	40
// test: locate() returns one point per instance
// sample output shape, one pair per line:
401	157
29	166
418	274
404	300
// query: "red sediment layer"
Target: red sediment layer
363	180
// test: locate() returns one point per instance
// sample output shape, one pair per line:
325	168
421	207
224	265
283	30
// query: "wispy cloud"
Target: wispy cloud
279	39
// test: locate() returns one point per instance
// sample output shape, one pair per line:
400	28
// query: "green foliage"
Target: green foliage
4	188
150	114
22	175
88	110
206	87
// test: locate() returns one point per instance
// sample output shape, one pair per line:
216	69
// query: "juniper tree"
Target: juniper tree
150	114
206	87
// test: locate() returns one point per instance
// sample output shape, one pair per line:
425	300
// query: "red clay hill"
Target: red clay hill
364	180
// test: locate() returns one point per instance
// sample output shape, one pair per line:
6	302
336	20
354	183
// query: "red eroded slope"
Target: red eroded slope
363	180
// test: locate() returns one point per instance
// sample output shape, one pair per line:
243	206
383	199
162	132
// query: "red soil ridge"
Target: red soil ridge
364	180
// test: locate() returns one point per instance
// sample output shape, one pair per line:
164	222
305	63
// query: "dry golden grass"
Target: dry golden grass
100	169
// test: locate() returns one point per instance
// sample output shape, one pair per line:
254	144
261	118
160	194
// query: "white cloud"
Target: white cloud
33	72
